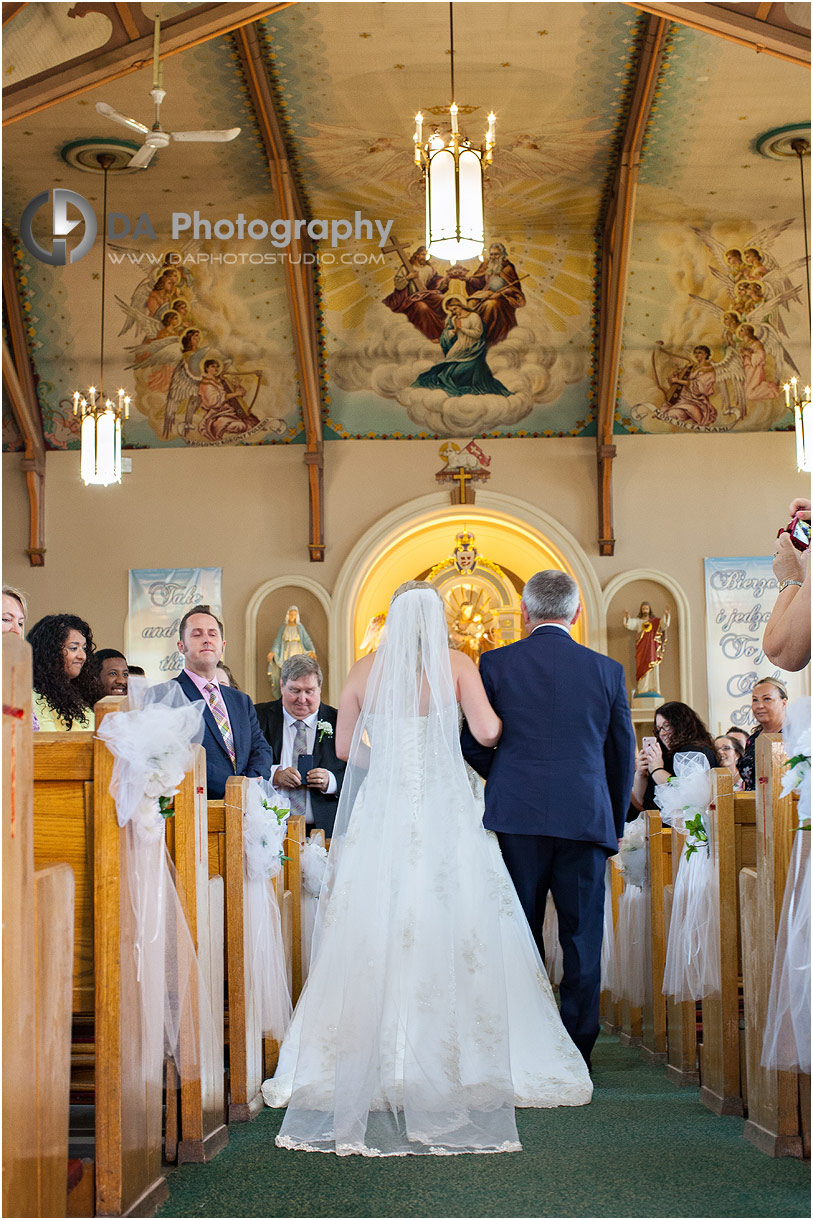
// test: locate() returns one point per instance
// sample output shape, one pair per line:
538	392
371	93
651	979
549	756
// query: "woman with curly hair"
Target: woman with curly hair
678	730
65	685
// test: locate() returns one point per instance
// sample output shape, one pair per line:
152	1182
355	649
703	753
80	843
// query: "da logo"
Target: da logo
58	255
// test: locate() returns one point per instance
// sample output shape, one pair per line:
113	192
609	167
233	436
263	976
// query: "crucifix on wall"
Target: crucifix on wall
463	468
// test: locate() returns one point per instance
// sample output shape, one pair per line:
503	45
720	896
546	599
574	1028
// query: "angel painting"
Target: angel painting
184	386
688	386
754	264
762	330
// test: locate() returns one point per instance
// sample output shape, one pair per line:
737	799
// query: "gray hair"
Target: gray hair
299	666
551	596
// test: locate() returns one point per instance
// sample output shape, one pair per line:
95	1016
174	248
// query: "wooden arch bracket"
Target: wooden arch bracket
616	238
18	380
298	277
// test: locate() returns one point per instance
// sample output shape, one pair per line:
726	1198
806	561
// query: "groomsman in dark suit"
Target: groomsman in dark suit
299	723
232	738
559	782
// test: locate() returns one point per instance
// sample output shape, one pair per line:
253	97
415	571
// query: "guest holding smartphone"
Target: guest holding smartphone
678	730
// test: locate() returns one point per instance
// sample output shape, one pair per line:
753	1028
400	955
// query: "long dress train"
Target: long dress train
427	1014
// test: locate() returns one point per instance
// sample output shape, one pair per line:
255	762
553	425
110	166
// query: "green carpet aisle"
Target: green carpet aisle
642	1148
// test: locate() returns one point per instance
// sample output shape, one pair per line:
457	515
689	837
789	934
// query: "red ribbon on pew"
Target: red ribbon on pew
16	713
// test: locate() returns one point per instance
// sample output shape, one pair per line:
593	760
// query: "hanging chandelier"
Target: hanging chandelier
796	401
100	416
453	175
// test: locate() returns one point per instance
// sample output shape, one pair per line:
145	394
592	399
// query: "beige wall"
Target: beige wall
677	499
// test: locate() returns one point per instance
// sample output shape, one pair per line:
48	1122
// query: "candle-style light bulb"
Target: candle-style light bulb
453	113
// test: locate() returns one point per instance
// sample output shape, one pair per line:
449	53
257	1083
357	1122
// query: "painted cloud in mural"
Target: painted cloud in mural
388	364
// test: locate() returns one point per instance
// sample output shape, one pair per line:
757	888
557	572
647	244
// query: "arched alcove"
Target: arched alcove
413	537
292	585
647	581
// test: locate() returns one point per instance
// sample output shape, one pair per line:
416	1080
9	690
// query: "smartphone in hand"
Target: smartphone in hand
304	764
649	742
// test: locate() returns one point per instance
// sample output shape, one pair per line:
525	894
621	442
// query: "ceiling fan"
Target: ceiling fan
155	137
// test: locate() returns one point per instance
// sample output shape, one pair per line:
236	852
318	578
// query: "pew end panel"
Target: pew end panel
776	1100
681	1015
203	1130
658	869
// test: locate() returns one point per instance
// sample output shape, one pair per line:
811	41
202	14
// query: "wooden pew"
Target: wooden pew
251	1057
658	872
294	843
681	1016
630	1024
775	1103
732	842
75	823
203	1129
37	962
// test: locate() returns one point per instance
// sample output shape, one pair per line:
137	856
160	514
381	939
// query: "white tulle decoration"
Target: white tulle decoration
631	858
152	746
314	860
786	1044
692	968
265	824
629	977
630	947
608	971
554	960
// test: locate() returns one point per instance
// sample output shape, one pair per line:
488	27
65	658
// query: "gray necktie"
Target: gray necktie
298	795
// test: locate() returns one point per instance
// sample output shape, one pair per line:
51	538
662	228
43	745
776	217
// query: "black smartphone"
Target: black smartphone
304	764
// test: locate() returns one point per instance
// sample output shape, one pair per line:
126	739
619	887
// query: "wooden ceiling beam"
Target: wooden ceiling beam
298	279
18	379
724	21
124	54
616	237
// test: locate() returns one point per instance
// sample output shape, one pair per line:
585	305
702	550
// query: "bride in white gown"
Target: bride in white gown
427	1014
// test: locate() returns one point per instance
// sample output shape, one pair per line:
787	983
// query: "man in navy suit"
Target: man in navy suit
299	722
559	782
232	737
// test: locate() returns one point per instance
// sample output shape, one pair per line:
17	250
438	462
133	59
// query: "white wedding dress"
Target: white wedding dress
427	1015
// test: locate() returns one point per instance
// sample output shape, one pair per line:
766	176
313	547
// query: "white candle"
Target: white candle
453	112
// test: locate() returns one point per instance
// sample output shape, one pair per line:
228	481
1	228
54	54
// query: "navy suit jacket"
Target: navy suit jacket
565	763
323	807
253	754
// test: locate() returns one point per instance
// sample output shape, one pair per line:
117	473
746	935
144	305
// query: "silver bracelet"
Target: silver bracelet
784	584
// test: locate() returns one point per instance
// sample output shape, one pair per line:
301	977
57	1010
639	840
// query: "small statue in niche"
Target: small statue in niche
291	640
649	646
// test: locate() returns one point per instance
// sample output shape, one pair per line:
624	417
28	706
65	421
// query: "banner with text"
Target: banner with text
740	594
159	598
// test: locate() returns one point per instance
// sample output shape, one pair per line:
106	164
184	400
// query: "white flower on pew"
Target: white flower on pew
684	799
265	826
152	746
796	735
314	861
631	858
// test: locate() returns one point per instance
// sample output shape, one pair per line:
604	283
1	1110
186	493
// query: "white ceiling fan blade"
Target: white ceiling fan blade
110	113
214	137
142	158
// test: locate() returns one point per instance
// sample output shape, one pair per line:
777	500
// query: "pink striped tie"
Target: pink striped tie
221	718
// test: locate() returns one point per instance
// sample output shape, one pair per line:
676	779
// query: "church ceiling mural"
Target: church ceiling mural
199	324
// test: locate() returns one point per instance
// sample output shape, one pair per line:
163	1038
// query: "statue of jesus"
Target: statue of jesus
649	647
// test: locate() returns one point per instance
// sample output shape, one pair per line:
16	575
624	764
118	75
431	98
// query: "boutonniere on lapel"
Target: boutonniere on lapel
325	729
